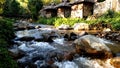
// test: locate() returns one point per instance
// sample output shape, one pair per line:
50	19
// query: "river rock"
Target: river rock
82	33
15	53
115	62
106	30
118	38
93	46
49	66
48	37
69	56
73	36
22	25
26	38
81	26
64	27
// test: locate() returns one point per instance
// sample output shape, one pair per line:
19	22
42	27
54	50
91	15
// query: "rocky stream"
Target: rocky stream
44	46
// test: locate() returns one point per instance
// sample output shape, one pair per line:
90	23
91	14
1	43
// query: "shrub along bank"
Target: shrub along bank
6	34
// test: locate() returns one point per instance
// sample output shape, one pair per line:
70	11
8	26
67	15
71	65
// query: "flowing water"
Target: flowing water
43	53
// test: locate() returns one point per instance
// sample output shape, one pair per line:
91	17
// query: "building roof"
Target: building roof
81	1
64	4
50	7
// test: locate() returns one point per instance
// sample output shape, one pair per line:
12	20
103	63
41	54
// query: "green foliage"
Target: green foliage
6	29
34	6
47	2
11	8
68	21
1	6
49	21
59	21
6	34
5	60
111	17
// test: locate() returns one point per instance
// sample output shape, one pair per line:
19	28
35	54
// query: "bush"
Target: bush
5	60
111	17
6	29
11	8
6	34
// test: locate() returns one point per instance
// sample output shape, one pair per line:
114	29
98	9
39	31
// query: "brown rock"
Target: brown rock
93	47
118	38
116	62
68	56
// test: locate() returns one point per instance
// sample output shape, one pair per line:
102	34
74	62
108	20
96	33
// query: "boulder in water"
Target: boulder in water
116	62
73	36
93	46
26	38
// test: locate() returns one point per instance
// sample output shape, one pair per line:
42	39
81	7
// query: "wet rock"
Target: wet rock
37	57
93	46
115	62
25	61
32	65
50	36
15	53
81	26
26	38
30	27
49	66
118	38
37	27
69	56
22	25
73	36
56	56
106	30
50	40
78	49
82	33
66	37
64	27
39	39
